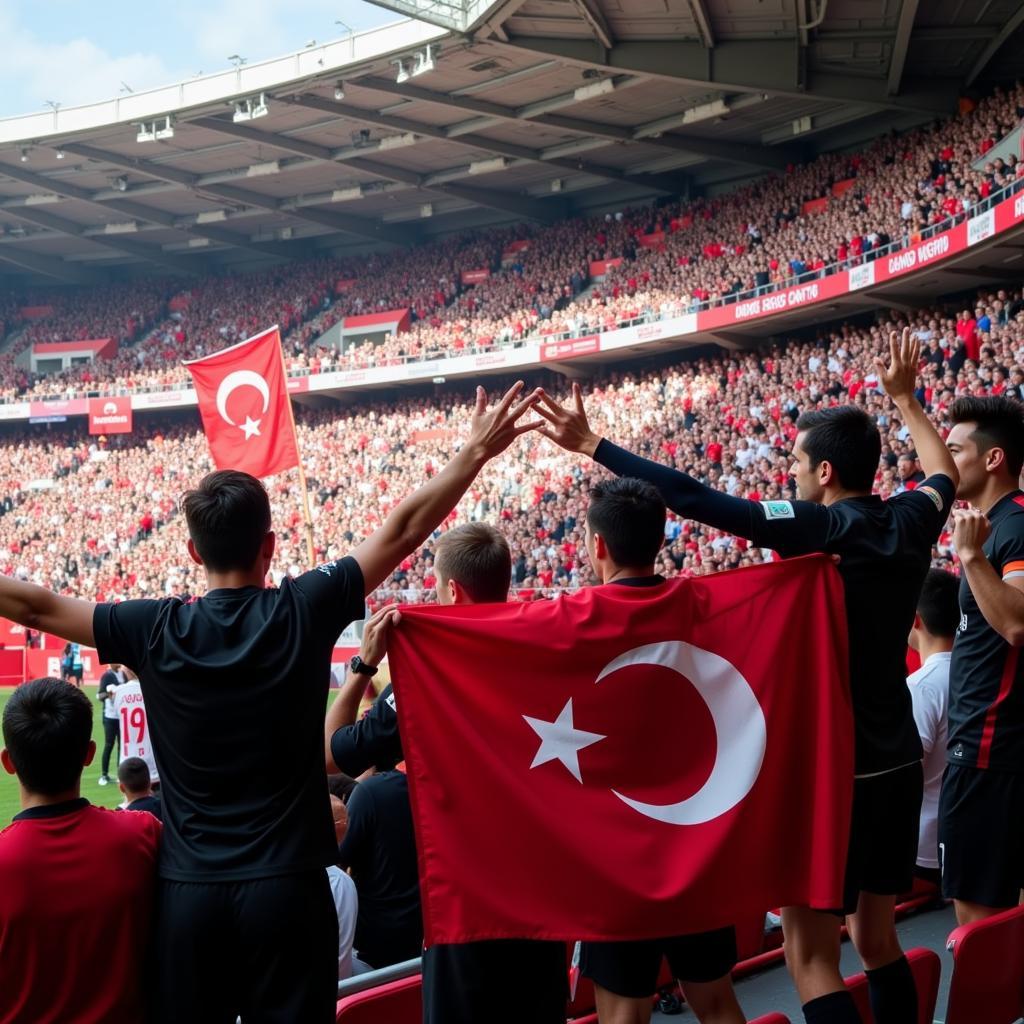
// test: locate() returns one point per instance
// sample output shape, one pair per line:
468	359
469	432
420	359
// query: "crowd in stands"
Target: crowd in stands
675	257
77	518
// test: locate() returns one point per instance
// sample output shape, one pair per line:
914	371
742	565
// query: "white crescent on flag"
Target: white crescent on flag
238	379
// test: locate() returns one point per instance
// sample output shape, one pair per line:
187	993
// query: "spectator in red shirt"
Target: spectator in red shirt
78	880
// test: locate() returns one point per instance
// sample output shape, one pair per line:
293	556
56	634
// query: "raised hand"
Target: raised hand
376	634
970	531
568	426
493	430
899	378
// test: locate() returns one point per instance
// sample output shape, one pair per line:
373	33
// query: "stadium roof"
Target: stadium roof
475	113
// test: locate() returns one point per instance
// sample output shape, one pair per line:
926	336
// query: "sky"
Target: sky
73	51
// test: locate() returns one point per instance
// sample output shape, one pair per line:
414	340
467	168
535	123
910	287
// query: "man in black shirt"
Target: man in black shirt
466	982
981	807
884	552
379	849
246	922
623	532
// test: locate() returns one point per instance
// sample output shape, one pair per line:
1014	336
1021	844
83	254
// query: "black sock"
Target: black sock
893	993
835	1008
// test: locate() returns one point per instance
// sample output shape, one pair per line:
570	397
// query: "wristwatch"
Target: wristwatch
360	668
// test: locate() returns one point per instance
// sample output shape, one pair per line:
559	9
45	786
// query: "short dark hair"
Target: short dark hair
47	728
133	774
228	517
847	438
477	557
939	603
999	423
629	514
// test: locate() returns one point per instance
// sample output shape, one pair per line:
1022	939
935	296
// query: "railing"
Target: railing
649	316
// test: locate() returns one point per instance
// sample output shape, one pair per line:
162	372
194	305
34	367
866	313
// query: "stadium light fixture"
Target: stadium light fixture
403	72
24	154
120	183
425	60
237	60
156	131
60	154
251	108
339	91
427	210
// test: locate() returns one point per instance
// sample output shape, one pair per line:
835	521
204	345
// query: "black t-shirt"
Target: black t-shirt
372	742
147	803
986	674
885	551
380	848
235	685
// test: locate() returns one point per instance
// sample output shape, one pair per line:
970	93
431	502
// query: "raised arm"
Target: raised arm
569	428
899	379
42	610
410	524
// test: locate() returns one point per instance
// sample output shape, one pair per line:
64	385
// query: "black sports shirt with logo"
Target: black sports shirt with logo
986	674
235	685
885	550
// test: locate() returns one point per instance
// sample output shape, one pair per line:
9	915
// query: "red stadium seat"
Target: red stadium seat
988	970
771	1018
397	1002
926	968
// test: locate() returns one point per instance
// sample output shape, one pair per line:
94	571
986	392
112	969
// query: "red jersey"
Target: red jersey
75	909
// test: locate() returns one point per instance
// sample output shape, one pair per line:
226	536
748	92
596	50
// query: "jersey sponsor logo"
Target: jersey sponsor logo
957	751
778	510
328	567
962	628
390	701
933	494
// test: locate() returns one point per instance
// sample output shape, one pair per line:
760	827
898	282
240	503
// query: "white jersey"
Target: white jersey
929	691
131	711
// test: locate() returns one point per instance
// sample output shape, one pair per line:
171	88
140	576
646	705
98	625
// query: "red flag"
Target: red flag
629	762
243	400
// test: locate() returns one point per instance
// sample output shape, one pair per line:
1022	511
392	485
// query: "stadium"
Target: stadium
703	221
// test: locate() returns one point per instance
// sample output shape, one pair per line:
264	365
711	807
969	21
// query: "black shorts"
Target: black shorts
265	950
981	835
505	981
882	854
631	969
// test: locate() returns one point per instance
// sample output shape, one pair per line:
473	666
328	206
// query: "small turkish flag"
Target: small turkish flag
629	761
244	403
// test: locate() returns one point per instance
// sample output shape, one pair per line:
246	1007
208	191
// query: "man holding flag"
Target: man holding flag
884	553
235	685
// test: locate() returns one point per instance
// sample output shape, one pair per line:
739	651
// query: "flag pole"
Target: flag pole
307	516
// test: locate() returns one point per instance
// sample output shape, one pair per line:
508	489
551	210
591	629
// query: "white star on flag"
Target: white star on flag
560	741
250	427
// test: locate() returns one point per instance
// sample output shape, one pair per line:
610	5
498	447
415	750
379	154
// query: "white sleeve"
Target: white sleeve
346	903
926	715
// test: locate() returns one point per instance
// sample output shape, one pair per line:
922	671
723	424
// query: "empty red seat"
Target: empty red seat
926	968
988	970
396	1002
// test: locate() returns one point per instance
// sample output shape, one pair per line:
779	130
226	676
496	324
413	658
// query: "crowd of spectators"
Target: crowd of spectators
675	257
100	519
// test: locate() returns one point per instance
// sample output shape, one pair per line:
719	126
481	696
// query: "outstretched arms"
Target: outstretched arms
41	609
410	524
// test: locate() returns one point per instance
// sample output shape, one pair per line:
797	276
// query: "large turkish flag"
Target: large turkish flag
244	403
629	761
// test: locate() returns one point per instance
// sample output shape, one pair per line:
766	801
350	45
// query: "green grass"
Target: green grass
104	796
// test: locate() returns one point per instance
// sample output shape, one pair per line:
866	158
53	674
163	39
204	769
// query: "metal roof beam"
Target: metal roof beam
659	183
495	200
904	30
764	65
49	267
597	23
348	223
115	241
739	153
703	22
131	208
995	44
